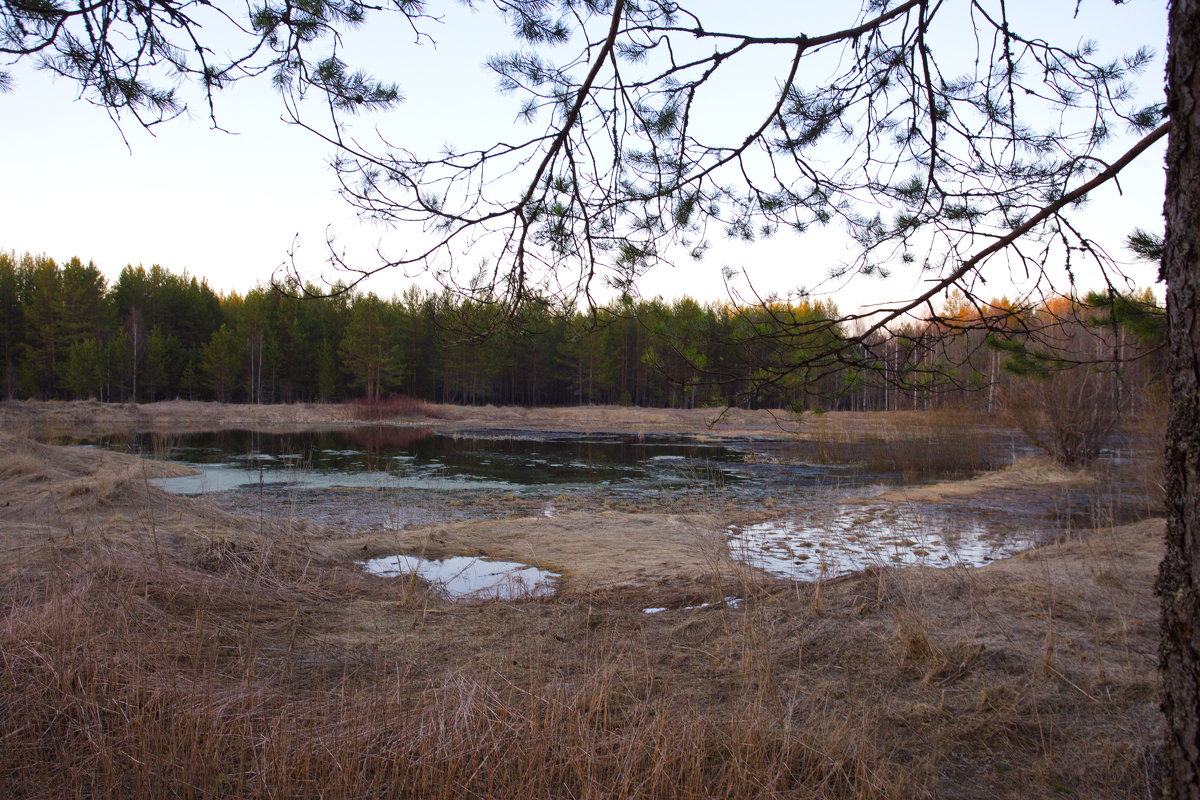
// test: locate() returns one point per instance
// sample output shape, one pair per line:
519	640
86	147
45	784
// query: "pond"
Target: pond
815	496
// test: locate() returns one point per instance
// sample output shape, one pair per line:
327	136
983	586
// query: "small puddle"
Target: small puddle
728	602
853	538
467	578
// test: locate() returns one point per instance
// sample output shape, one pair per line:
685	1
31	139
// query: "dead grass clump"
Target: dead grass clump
398	406
222	553
22	467
939	662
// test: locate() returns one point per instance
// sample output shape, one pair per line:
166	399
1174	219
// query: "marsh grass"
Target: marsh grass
168	650
912	445
21	466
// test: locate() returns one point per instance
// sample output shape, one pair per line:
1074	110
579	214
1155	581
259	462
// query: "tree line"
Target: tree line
153	334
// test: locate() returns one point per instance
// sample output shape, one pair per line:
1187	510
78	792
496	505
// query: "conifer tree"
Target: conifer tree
370	353
222	362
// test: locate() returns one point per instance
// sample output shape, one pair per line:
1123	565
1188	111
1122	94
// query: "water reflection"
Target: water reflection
388	457
414	458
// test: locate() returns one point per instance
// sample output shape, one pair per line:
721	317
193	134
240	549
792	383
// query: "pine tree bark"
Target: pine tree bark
1179	578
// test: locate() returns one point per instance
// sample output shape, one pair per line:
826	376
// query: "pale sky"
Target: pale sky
228	206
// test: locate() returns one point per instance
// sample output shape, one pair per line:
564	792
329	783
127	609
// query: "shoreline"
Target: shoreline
185	416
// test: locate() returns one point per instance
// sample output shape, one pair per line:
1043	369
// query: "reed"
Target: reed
914	445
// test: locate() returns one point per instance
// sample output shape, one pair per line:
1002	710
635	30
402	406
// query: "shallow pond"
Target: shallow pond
542	463
810	493
422	459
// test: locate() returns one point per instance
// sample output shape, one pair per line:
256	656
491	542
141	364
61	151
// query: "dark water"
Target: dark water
522	465
517	460
408	458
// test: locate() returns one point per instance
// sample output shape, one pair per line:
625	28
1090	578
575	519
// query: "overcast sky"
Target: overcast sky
229	206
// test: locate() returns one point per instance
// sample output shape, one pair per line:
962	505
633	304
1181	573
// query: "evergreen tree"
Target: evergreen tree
12	323
85	369
119	362
328	380
46	335
370	354
222	362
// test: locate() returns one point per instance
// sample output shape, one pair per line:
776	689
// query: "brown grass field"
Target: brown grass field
153	645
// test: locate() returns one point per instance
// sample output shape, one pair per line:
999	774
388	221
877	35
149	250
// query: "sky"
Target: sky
234	205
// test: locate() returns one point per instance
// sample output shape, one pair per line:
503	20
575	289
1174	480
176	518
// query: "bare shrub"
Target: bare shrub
1069	414
1071	379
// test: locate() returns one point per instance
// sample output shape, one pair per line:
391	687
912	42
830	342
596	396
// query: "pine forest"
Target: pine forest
153	334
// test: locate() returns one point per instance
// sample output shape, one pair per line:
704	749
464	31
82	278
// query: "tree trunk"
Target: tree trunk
1179	578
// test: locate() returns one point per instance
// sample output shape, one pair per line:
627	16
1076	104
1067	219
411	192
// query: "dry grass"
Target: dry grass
396	407
912	444
1023	473
21	467
71	420
154	646
144	704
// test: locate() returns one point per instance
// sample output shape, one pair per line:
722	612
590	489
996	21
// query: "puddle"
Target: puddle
235	477
850	538
467	578
728	602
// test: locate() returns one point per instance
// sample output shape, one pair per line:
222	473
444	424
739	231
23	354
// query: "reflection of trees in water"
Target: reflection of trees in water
373	440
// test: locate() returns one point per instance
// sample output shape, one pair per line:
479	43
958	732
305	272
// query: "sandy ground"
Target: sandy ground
1031	677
